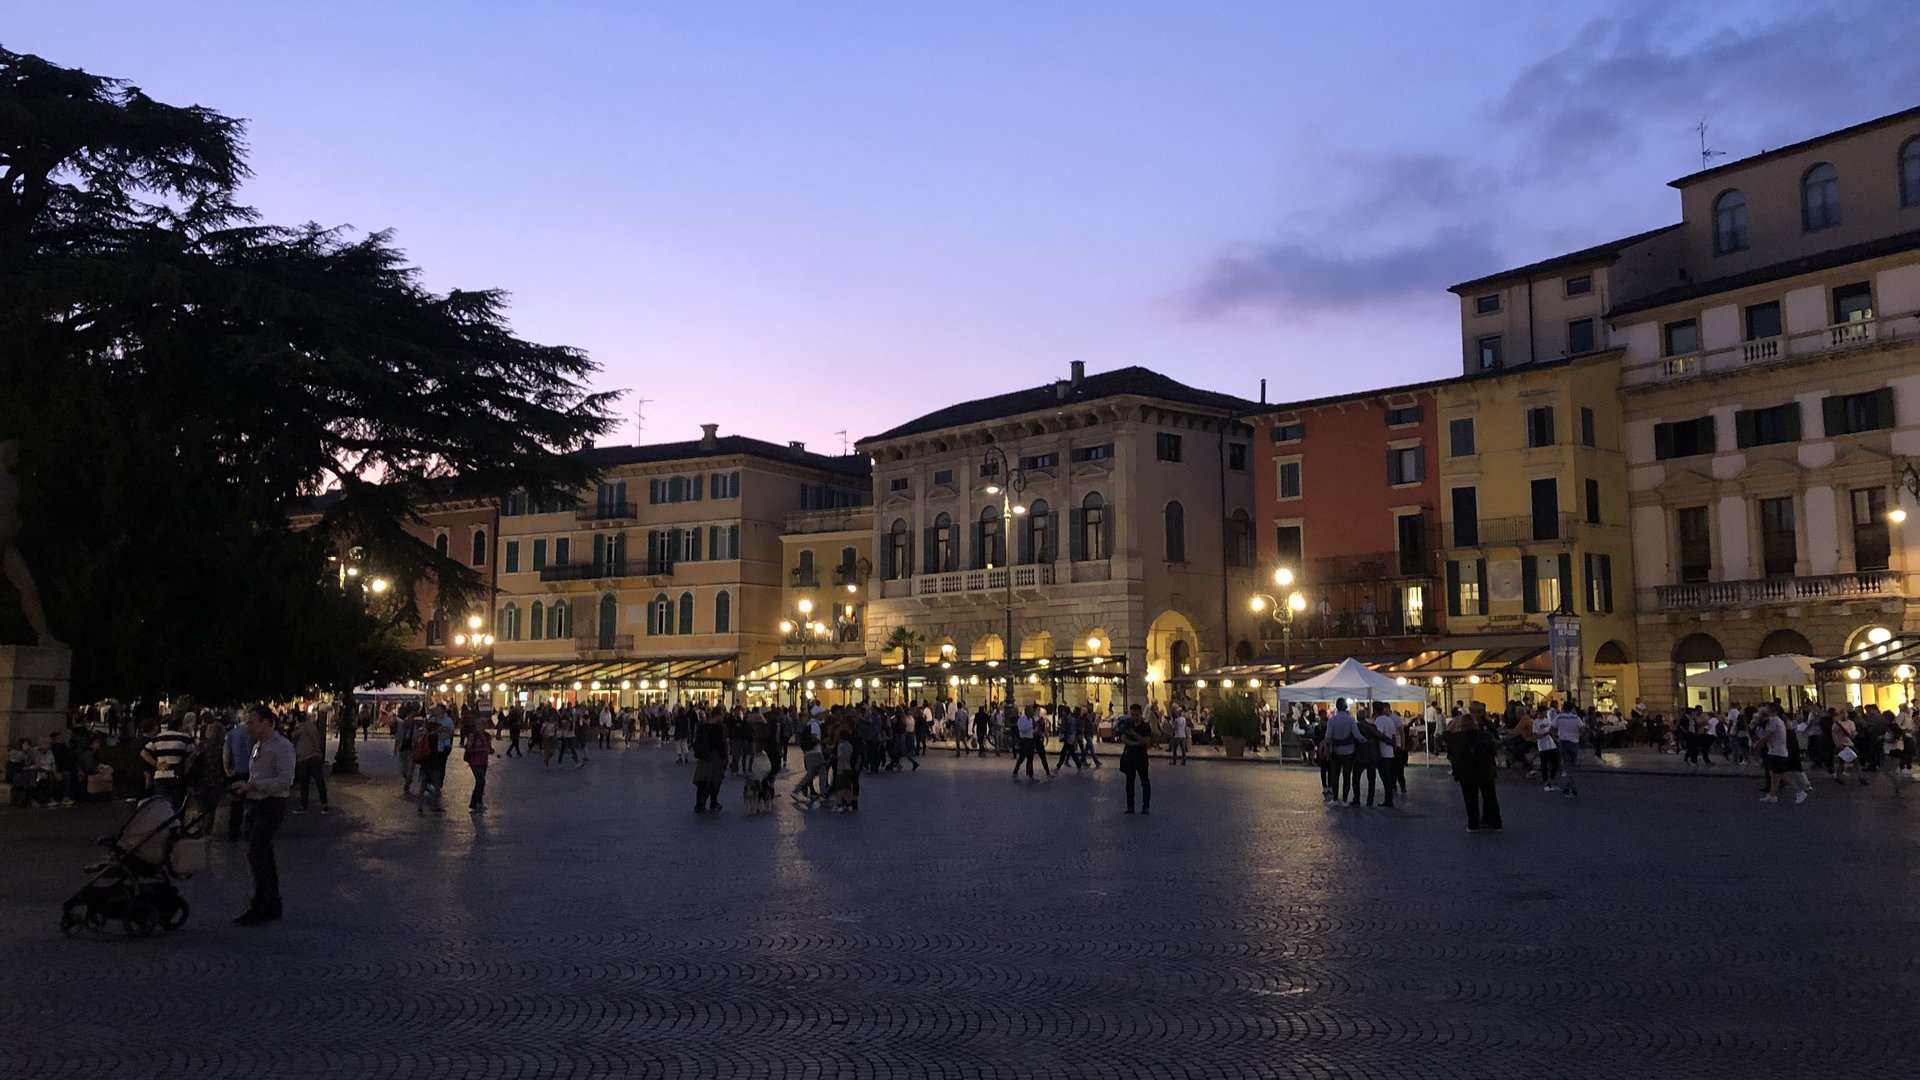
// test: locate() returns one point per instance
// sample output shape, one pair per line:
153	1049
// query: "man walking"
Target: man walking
1070	741
1567	729
235	758
1343	734
515	717
1178	736
166	754
268	781
1028	728
439	735
1136	736
479	752
309	755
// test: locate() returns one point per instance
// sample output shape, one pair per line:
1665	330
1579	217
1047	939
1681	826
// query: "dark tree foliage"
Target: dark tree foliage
181	376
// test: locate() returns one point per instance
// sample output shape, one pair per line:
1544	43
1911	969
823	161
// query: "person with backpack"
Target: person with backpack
1474	752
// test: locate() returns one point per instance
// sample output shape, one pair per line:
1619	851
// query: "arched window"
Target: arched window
1240	539
660	616
508	622
944	554
1729	222
686	613
1910	173
723	613
479	547
1176	521
899	554
560	621
609	621
989	540
1037	542
804	575
1090	538
537	621
440	545
1820	197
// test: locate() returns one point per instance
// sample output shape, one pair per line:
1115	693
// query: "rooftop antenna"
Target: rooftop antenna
640	419
845	447
1706	155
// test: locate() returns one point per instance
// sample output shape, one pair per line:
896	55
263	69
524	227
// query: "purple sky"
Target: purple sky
797	219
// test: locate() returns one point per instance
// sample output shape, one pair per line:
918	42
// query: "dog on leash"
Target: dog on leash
756	793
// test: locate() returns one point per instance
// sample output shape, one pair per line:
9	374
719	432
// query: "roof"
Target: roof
1806	264
1794	148
606	457
1121	382
1599	253
1355	395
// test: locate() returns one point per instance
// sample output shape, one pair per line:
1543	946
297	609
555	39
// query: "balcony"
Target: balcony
1518	531
605	512
596	643
1373	566
1839	337
592	571
805	577
836	519
973	581
1781	590
1353	626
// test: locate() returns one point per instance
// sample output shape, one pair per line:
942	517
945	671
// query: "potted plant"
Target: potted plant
1236	720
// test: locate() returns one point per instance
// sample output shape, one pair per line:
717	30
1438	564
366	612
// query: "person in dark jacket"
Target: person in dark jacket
1473	751
709	762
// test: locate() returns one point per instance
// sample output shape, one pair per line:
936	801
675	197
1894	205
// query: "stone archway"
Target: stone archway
1785	642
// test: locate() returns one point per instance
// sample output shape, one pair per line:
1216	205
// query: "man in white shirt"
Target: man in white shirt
1178	736
1549	749
1393	763
1567	726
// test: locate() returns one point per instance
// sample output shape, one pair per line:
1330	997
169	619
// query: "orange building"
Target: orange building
1348	502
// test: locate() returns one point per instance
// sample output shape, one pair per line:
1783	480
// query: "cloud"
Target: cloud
1287	275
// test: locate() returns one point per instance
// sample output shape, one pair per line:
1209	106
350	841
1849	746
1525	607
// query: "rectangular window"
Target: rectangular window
898	483
1044	461
1467	587
1293	432
1852	303
1580	285
1410	535
1466	517
943	476
1683	438
513	557
1288	546
1589	435
1288	477
1546	509
1538	592
1696	544
514	504
1872	543
1166	446
1580	336
1486	305
1778	551
1403	416
1103	452
1599	584
1848	414
1763	321
1489	350
1460	437
1682	338
1593	502
539	554
1405	466
1767	427
690	546
1540	426
1237	457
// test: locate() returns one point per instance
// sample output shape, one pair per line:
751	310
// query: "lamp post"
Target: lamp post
350	572
1007	482
803	629
477	644
1281	606
1908	480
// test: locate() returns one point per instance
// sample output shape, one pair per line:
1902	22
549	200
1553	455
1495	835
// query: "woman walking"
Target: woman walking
1474	754
709	762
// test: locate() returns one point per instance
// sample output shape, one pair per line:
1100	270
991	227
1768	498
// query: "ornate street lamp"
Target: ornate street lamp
1908	481
1007	482
1282	612
476	643
804	629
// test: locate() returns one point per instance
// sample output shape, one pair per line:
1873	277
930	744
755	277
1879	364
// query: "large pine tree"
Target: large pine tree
180	373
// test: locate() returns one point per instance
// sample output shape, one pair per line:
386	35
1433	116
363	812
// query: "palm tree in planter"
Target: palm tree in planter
1236	720
906	642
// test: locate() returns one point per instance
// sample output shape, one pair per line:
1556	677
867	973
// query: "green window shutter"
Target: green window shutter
1743	429
1662	441
1566	581
1793	421
1529	584
1485	601
1833	411
1883	407
1077	540
1453	587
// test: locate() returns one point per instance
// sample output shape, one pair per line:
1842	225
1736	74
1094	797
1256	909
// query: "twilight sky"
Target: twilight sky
798	219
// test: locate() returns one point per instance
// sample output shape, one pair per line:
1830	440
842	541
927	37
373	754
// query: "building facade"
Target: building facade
828	556
1107	517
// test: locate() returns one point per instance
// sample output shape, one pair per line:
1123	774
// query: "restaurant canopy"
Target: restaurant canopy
1785	670
1350	679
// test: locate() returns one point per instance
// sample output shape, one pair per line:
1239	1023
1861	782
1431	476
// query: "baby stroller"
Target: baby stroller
137	882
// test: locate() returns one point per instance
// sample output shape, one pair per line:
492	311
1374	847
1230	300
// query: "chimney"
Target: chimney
709	436
1079	372
797	446
1263	391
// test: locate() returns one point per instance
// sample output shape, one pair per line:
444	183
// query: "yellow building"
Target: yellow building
828	556
1533	507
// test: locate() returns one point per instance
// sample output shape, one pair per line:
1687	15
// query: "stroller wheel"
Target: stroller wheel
94	920
141	919
72	918
176	916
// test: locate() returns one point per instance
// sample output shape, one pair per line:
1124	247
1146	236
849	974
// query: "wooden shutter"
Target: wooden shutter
1566	581
1744	433
1453	587
1485	601
1833	410
1883	407
1077	527
1529	584
1662	441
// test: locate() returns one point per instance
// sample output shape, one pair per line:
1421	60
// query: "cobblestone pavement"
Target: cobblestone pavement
964	926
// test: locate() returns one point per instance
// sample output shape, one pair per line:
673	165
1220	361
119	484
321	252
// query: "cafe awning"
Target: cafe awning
1895	660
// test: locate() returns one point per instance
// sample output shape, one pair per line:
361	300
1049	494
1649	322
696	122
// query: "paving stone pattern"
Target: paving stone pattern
964	926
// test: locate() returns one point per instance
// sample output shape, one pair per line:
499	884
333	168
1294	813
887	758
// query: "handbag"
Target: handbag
1847	755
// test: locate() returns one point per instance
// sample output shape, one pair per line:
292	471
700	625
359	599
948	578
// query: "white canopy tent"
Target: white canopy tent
1350	679
387	693
1787	669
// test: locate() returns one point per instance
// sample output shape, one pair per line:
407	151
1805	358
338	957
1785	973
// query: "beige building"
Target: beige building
822	622
1130	560
1772	400
666	581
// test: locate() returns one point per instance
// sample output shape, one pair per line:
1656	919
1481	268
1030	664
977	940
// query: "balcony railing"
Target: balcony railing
1354	625
805	577
835	519
1373	566
617	568
1853	334
608	643
967	581
1782	590
605	511
1506	532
